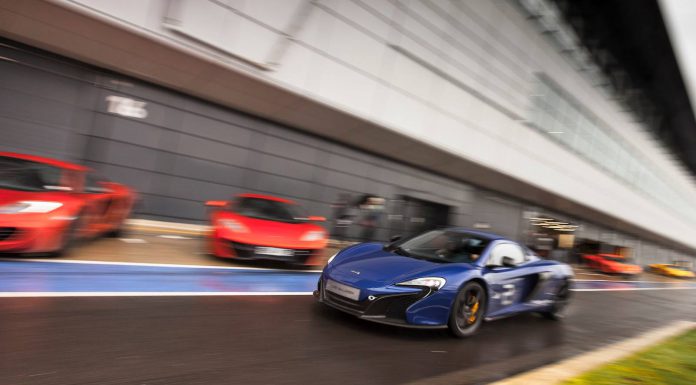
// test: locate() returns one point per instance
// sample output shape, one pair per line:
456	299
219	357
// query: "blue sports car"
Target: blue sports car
450	278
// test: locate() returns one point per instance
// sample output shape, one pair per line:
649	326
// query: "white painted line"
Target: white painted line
168	225
88	262
637	288
575	366
24	294
610	280
132	240
173	237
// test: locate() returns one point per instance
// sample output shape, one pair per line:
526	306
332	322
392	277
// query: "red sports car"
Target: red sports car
612	264
47	204
257	226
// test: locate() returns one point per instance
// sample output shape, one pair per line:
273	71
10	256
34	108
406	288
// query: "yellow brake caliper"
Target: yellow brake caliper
474	310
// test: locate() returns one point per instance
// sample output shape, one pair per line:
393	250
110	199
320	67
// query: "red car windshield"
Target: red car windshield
25	175
268	210
618	259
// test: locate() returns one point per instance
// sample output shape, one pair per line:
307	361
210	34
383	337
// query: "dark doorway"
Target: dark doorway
419	215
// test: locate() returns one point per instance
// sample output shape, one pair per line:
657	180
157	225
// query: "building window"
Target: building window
559	116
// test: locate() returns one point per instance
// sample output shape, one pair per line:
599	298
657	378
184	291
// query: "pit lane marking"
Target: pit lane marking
165	236
637	288
146	264
609	280
29	294
132	240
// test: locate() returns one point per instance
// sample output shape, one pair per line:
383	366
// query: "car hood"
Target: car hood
12	196
625	267
368	265
272	233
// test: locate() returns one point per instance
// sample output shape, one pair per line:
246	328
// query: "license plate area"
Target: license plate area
274	251
343	290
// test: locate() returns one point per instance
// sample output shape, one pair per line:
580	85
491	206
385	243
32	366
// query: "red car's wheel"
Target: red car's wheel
69	237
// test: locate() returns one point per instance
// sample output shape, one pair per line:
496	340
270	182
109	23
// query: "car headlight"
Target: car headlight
431	282
233	225
30	207
331	259
312	236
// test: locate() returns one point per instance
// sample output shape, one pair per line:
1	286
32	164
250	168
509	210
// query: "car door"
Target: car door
509	282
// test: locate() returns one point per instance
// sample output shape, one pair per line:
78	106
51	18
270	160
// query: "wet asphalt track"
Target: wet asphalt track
291	340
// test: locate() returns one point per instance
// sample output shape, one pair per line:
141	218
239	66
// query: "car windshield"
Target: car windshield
678	267
269	210
617	259
443	246
25	175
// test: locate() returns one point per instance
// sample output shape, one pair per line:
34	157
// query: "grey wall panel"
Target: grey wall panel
28	137
274	184
210	149
127	130
197	190
122	154
346	182
275	165
34	108
215	129
209	171
17	77
140	180
289	149
502	215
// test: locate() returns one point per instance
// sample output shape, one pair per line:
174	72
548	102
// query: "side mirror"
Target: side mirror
219	204
508	262
316	218
394	238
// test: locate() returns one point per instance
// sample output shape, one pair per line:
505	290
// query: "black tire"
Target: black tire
560	303
116	233
69	237
468	310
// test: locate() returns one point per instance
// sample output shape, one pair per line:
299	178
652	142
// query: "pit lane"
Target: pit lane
80	322
292	340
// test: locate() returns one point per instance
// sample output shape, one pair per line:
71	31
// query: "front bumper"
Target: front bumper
248	252
18	236
386	308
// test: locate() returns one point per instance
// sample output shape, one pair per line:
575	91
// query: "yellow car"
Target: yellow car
672	270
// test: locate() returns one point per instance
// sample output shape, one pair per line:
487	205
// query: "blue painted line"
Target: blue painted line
81	277
65	277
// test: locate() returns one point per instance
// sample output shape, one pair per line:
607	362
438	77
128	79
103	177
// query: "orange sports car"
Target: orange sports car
255	226
46	204
672	270
612	264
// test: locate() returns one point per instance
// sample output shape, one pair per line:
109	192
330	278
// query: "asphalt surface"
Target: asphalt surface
292	340
267	338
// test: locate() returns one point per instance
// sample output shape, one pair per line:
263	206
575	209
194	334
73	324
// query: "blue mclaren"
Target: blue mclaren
449	278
